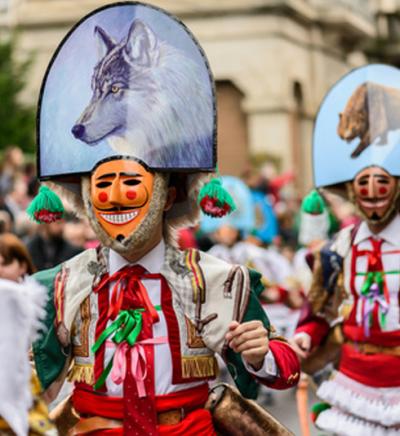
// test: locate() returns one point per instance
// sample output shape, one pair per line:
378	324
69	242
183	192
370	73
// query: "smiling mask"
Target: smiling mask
120	192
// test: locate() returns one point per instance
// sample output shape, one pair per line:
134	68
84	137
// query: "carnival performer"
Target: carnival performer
133	140
314	229
355	289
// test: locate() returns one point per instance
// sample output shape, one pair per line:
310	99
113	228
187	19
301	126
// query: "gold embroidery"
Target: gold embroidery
199	366
198	282
82	350
293	377
193	339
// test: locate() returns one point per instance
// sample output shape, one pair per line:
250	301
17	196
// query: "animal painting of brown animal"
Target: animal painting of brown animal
370	113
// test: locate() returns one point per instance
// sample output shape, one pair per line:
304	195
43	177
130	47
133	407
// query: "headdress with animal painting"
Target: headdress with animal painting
130	81
358	126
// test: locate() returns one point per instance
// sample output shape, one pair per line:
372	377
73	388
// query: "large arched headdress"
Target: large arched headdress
129	80
358	126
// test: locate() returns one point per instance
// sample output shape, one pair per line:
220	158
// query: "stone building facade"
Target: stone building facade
273	61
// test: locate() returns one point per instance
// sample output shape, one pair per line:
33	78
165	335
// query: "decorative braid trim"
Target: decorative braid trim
199	366
82	373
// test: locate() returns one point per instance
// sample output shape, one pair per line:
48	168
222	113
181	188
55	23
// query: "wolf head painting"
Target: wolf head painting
150	100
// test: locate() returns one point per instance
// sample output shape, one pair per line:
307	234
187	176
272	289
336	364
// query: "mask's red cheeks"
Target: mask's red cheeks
383	190
131	195
103	197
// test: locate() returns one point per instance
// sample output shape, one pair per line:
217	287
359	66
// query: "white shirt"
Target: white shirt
390	261
153	262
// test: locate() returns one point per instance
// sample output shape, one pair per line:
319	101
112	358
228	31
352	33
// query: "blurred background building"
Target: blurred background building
273	61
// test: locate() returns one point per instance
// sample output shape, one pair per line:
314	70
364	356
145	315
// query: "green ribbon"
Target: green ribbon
126	327
374	277
378	278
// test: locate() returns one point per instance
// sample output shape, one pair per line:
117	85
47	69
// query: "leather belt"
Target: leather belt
367	348
96	423
87	425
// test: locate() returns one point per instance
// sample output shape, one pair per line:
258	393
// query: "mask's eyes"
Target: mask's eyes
104	184
362	182
383	181
132	182
115	89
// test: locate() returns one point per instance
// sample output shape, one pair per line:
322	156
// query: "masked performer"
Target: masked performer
127	125
356	276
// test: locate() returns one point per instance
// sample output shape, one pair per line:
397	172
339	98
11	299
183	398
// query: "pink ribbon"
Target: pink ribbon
138	362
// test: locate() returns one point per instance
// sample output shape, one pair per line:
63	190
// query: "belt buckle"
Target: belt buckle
183	414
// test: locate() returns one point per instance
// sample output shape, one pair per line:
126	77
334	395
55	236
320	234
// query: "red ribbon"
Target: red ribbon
128	278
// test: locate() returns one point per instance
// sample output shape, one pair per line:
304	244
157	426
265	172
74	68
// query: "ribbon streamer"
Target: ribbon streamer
373	292
124	330
138	362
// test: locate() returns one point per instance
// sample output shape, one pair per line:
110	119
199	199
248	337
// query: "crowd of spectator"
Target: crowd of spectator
48	245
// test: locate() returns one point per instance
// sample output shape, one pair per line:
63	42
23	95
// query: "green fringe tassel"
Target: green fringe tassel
46	207
214	200
313	203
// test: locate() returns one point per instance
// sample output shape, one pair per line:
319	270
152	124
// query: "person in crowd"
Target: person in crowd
11	166
16	201
15	260
48	247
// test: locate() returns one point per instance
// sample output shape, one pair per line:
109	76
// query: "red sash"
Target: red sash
198	421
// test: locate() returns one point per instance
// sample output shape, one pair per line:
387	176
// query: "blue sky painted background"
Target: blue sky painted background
331	155
68	87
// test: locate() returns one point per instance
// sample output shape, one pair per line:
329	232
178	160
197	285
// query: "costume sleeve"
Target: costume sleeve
317	328
269	368
49	355
285	358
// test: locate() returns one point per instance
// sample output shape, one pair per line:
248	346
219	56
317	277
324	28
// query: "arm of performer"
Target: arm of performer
273	362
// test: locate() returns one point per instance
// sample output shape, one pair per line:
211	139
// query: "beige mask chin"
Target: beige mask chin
375	194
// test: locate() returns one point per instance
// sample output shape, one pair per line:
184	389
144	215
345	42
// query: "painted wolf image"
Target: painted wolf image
149	101
370	113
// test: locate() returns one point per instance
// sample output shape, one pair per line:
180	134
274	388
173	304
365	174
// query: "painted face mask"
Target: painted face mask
375	190
121	191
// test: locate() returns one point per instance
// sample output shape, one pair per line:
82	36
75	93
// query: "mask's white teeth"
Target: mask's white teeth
119	218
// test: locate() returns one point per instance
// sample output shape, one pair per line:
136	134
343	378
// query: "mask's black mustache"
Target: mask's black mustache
375	217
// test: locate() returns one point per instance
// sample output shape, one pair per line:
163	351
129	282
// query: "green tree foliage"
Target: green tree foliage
17	121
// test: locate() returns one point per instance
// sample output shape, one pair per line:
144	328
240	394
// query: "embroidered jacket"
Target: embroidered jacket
205	294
